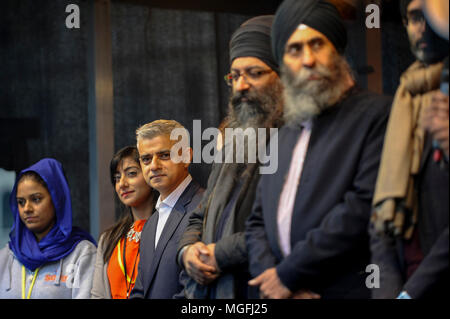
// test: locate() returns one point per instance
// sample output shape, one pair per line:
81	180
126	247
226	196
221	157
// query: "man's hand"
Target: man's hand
210	258
435	119
270	286
203	273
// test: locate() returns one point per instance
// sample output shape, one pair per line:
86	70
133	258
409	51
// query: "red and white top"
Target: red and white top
122	274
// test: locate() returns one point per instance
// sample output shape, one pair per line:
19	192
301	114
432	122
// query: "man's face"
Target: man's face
309	49
314	75
426	46
160	172
256	89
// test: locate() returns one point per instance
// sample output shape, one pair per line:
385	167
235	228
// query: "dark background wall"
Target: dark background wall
43	78
166	62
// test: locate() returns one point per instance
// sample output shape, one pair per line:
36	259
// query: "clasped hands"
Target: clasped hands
200	263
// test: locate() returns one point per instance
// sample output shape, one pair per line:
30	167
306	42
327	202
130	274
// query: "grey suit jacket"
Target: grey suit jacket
100	284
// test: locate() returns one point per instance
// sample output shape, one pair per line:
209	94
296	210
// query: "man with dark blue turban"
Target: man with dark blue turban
307	233
213	250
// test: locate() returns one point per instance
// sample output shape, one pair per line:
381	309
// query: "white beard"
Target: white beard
304	99
300	107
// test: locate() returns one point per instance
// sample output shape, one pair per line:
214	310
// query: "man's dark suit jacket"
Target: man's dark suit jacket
329	238
159	276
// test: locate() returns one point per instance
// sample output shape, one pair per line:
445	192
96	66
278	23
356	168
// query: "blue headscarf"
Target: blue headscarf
62	238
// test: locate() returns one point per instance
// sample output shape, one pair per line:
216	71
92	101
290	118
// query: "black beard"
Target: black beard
246	108
250	109
255	109
436	50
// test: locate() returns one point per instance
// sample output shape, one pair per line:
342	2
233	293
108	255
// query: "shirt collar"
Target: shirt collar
173	197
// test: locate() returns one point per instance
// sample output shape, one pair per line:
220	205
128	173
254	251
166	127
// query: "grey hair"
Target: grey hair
157	128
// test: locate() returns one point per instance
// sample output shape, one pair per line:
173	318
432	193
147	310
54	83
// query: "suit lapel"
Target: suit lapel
312	158
287	144
153	222
175	217
169	228
150	247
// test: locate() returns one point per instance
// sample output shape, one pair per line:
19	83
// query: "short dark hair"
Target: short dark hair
404	7
156	128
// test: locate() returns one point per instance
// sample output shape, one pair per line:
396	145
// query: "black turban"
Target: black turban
252	39
317	14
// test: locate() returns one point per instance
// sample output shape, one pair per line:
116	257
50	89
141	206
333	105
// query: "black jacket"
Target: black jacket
159	276
329	239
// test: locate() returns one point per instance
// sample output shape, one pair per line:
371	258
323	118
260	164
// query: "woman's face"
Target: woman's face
36	208
130	184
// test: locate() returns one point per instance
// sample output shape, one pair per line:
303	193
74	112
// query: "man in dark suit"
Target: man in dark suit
409	230
159	276
213	249
307	233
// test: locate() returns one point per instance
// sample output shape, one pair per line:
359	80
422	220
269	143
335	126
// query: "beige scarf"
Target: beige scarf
395	201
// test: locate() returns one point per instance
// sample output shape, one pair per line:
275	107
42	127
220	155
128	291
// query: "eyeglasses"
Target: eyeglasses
254	74
415	17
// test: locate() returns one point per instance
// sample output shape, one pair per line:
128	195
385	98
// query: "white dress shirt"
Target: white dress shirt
165	207
289	192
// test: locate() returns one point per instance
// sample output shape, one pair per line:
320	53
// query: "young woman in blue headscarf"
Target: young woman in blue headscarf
46	257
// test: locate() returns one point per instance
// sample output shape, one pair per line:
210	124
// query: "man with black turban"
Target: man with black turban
307	233
409	229
213	250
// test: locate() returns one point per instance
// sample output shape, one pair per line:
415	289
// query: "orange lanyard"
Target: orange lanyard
129	281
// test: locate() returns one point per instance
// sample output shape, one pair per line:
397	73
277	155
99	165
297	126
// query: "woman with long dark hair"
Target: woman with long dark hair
117	260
